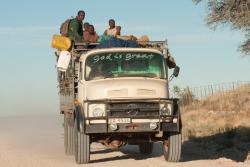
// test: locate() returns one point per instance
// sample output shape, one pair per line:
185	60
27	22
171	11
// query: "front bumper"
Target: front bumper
137	124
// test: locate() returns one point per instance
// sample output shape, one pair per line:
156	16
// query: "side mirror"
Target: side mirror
176	71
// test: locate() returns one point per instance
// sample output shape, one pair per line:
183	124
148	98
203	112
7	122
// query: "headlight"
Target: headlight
166	109
96	110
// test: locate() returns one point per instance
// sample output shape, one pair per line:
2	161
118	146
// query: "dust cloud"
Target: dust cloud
37	141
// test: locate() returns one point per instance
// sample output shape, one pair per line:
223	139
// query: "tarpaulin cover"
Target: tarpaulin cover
118	43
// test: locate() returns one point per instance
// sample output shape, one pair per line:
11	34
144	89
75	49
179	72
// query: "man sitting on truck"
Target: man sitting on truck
85	27
90	36
75	31
113	30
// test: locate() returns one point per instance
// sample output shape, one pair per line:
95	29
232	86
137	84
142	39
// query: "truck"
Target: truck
119	96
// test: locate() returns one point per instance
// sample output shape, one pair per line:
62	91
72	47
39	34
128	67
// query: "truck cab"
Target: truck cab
121	96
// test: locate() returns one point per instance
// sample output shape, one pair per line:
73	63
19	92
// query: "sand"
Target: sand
37	141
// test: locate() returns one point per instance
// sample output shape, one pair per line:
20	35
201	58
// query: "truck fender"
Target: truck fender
178	113
79	117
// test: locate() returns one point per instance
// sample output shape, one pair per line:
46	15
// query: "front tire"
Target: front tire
172	147
82	143
146	148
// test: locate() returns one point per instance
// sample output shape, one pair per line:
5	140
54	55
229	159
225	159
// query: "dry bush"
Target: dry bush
218	113
186	97
234	100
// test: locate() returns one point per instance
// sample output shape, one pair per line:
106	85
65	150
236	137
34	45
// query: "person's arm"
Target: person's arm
96	38
85	36
105	32
118	30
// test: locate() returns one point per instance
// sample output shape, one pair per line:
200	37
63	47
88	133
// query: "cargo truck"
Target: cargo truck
119	96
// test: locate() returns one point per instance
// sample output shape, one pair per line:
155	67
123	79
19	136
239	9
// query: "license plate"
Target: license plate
119	120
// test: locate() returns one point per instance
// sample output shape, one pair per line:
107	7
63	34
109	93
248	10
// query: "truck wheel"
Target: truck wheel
172	148
146	148
68	137
82	144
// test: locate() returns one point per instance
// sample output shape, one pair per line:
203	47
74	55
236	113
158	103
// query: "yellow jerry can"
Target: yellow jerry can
60	42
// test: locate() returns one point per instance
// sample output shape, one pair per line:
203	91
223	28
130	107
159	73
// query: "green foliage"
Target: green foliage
185	95
176	90
235	13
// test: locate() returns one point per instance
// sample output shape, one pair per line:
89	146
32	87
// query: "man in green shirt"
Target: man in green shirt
75	31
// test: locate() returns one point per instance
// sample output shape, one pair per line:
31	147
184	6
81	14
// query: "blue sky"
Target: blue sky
28	63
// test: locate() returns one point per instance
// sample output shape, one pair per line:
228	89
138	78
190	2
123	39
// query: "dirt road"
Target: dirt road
37	141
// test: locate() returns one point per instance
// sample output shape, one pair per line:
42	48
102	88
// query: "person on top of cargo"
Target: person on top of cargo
170	61
113	30
86	27
90	36
75	31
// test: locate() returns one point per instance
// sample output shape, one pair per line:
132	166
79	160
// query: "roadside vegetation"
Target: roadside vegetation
232	13
219	123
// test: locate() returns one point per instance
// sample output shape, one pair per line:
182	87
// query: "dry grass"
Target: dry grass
220	124
218	113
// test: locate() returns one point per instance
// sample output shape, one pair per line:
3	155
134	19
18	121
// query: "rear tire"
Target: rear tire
68	136
146	148
82	144
172	147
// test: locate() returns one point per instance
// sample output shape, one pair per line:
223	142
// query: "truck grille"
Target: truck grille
133	109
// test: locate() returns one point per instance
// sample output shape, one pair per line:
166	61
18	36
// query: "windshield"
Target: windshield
125	64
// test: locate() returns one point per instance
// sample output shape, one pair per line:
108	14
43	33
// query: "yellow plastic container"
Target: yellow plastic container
60	42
